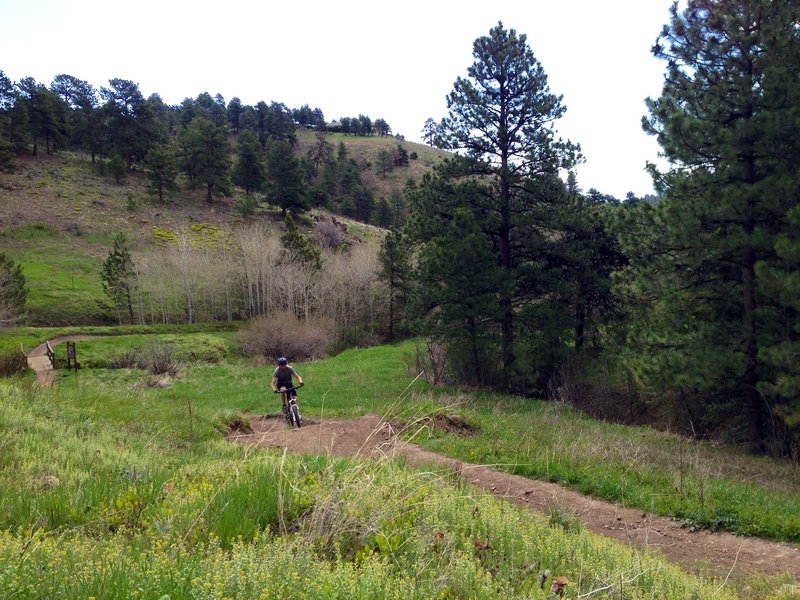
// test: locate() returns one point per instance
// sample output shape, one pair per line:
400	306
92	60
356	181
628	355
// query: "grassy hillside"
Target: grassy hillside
58	218
115	489
364	150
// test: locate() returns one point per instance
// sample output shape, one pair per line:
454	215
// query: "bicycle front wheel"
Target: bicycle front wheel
294	415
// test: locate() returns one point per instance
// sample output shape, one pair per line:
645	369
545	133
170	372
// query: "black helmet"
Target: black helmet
282	361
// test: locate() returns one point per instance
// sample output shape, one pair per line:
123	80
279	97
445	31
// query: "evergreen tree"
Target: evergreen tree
47	118
119	277
727	120
394	254
80	100
211	109
250	171
13	292
458	285
384	162
501	117
7	100
384	217
116	166
205	156
382	127
162	169
298	247
429	131
400	156
130	128
285	186
234	114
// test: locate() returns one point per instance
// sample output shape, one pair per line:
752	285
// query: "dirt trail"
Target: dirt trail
722	554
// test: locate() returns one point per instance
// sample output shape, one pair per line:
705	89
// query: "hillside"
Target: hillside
59	217
364	150
65	192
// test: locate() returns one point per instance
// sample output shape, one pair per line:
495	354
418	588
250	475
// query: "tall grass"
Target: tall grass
113	490
125	513
708	486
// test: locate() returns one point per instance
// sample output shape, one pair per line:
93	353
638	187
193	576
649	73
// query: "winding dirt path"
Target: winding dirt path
721	554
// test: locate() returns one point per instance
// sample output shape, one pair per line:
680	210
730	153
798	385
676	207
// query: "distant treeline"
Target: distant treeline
122	130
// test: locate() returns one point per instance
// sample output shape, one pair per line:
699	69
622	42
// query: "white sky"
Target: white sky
391	60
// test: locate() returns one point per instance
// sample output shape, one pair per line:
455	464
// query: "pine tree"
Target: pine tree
458	285
394	256
727	120
13	292
500	117
250	171
119	276
162	169
298	247
285	186
206	157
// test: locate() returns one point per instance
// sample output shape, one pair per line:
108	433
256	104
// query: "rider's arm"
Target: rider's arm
274	381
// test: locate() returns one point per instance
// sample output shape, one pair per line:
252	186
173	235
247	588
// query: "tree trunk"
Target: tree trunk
506	307
580	324
752	396
391	310
475	356
208	194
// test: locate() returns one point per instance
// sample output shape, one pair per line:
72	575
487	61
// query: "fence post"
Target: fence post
50	354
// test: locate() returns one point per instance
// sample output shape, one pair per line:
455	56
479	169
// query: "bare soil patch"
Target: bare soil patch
721	554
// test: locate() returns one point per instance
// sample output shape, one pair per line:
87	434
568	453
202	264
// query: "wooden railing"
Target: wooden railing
50	354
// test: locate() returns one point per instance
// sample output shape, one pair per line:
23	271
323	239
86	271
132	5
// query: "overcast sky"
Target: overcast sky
390	60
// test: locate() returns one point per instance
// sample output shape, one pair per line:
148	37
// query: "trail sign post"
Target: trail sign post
72	361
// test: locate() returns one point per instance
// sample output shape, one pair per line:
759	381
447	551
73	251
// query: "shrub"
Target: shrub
160	359
12	363
283	334
246	206
127	359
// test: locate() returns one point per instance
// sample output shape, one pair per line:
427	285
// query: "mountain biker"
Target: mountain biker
282	378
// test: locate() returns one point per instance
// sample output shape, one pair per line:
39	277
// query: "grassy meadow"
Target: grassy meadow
115	485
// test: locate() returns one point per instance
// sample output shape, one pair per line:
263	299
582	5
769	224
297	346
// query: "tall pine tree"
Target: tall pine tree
501	119
727	121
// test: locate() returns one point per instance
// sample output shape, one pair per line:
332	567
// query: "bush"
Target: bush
160	359
127	359
12	363
283	334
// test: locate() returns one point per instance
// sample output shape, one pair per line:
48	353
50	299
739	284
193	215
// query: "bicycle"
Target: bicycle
291	412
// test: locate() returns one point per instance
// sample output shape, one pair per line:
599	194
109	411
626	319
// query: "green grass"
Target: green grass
706	485
62	274
96	505
101	466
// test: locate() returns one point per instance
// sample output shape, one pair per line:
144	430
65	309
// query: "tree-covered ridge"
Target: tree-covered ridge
211	144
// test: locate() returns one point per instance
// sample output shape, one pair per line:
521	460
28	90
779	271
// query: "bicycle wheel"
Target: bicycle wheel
294	415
